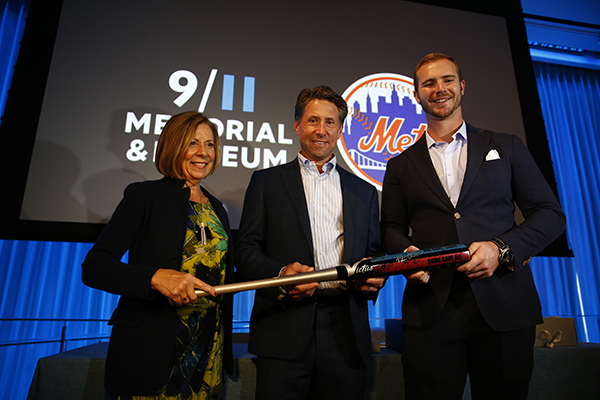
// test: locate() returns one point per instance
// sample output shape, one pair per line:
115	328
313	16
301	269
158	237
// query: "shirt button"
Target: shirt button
457	215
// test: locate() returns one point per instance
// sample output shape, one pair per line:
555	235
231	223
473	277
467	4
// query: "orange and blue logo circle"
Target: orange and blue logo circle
384	119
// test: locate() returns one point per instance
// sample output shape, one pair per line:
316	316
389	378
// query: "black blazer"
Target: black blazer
150	222
413	198
275	231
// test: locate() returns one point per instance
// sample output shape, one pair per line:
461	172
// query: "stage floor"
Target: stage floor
560	373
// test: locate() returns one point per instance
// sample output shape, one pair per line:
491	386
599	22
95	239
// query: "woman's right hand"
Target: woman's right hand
179	286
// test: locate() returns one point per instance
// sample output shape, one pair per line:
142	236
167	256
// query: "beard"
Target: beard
441	114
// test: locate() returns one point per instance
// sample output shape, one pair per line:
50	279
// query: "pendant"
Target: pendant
203	234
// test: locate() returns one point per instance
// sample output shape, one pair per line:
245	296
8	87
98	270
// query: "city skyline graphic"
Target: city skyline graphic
383	120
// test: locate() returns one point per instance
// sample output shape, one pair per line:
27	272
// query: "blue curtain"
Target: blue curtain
42	280
11	30
570	99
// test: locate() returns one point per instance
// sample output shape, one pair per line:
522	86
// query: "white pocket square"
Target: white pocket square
492	155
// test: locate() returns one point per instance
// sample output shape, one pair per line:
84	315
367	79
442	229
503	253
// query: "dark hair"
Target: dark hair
432	57
174	140
320	93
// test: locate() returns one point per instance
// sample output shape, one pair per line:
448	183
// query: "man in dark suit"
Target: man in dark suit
312	340
458	184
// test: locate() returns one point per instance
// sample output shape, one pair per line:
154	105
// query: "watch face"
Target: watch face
504	256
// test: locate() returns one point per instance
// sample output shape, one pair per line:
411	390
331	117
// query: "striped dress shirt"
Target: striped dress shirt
325	209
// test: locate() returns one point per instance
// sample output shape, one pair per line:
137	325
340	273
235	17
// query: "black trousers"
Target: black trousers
330	368
437	359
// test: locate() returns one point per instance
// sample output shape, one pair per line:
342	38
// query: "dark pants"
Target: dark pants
436	360
330	368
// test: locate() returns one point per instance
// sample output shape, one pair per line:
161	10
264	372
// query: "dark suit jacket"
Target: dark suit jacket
150	222
413	198
275	231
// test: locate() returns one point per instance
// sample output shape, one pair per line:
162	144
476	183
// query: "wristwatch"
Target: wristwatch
506	256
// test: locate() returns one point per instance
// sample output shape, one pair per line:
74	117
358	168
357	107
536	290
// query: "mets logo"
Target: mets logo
383	120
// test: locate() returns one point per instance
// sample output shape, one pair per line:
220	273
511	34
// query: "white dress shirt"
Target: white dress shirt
450	161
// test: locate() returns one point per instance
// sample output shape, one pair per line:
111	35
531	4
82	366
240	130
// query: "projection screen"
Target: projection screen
97	81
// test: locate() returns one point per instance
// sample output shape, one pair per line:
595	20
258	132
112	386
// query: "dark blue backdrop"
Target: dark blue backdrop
42	280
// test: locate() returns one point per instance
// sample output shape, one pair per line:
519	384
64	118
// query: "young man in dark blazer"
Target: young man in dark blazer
312	340
458	184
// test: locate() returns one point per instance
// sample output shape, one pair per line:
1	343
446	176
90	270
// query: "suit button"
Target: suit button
456	215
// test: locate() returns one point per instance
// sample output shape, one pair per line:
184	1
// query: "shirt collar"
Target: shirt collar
460	134
306	164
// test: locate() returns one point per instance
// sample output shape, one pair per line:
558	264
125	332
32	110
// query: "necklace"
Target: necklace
202	232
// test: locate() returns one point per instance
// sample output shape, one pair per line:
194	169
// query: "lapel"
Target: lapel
423	165
477	144
292	183
349	202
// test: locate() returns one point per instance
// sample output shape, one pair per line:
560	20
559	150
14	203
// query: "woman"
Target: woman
167	343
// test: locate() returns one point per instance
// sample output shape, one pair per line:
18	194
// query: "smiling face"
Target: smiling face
440	90
200	155
319	129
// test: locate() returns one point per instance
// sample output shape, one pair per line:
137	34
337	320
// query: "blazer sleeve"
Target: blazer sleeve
544	219
373	238
103	268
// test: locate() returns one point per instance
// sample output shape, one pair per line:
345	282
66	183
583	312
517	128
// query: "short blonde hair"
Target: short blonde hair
174	140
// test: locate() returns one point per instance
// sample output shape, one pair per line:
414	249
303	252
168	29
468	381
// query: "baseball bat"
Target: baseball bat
401	263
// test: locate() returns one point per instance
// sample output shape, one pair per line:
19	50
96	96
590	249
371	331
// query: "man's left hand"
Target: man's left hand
483	262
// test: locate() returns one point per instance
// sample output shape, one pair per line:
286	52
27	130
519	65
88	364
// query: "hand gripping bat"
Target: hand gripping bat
395	264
